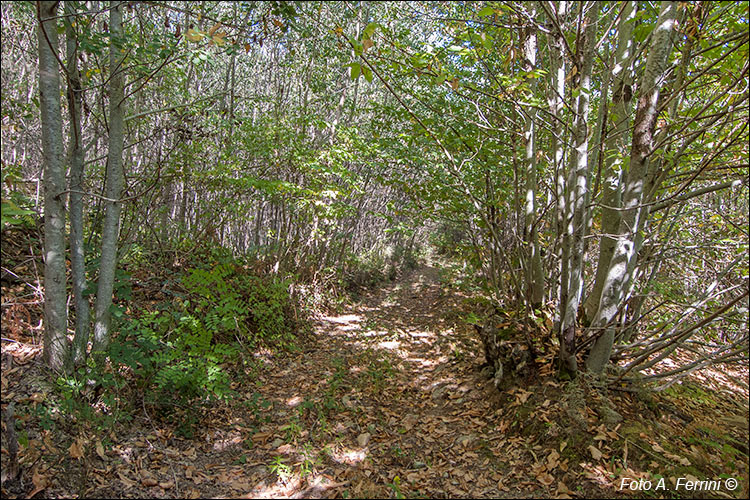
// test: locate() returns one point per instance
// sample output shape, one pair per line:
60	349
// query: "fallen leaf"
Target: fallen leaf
595	453
40	481
100	450
149	481
48	444
553	460
125	480
562	489
545	478
75	450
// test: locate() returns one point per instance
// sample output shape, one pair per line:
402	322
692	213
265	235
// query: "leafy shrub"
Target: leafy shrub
366	271
15	205
180	351
173	355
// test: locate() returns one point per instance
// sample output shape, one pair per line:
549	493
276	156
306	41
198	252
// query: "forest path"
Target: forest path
387	400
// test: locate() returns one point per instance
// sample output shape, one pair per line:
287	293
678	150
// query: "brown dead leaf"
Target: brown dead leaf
48	444
165	485
213	29
562	489
76	449
553	460
40	481
521	395
261	437
545	478
149	481
34	492
100	450
595	453
125	480
193	35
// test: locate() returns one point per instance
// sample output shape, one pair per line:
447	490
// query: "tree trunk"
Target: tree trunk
578	194
114	183
75	159
623	259
55	307
616	141
535	273
555	99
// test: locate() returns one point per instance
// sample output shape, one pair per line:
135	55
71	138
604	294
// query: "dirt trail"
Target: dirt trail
411	414
384	400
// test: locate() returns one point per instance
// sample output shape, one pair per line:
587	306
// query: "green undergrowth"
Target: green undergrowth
377	267
188	347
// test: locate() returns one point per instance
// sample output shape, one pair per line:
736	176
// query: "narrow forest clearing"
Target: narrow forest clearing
384	399
397	249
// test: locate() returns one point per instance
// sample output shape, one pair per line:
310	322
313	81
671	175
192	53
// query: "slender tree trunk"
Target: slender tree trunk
114	183
535	273
623	259
76	161
556	96
55	307
578	192
615	149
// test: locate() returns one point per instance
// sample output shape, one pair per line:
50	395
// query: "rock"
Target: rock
363	439
465	440
276	443
439	393
410	421
609	415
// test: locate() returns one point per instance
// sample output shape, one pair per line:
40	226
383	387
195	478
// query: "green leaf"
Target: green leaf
368	31
487	11
367	73
356	68
358	48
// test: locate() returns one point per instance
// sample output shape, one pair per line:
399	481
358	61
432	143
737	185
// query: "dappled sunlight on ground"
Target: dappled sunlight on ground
386	399
294	402
349	456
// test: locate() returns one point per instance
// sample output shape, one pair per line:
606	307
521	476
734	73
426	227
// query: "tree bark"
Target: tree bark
578	193
623	259
535	273
616	142
76	161
55	307
555	101
114	183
